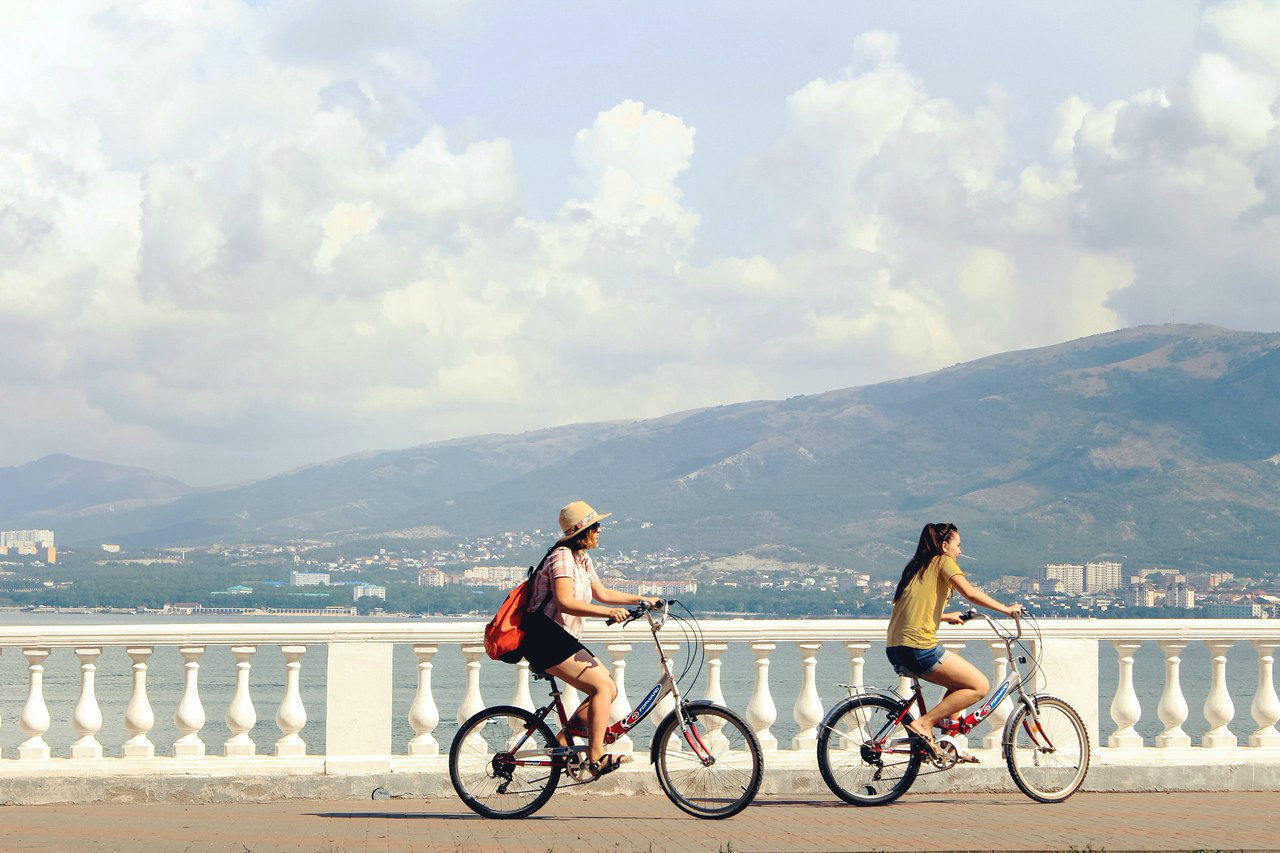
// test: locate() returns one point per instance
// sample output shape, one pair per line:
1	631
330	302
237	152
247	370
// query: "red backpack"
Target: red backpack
504	633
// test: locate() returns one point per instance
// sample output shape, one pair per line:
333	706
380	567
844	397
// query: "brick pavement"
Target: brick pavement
1128	821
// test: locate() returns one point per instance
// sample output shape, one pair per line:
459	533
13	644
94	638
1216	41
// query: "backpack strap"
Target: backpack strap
534	570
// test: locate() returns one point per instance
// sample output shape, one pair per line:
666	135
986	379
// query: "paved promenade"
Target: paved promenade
1139	821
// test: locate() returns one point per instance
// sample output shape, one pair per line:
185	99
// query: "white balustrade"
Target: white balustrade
1218	707
1070	646
424	716
34	721
1000	713
291	716
761	712
807	711
87	718
1265	709
241	715
189	717
1172	710
1125	708
621	705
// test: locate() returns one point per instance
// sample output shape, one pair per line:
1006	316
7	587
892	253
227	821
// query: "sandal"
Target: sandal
607	764
927	739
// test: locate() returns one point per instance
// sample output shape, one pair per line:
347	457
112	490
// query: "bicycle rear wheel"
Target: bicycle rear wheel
865	758
715	772
486	773
1049	762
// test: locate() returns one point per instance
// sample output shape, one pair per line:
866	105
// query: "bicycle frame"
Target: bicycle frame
666	686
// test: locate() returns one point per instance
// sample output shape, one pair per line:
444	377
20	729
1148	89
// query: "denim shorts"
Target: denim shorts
915	663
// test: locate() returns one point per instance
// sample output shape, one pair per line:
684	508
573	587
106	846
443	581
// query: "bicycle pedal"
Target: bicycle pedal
968	758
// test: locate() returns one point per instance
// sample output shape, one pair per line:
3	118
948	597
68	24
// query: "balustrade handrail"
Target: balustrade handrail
714	630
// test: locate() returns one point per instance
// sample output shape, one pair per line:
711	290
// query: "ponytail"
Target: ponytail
932	538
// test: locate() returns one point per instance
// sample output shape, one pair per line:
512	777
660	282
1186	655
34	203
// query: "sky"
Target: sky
237	238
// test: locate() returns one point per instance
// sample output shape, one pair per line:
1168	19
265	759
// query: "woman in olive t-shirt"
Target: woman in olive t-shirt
912	644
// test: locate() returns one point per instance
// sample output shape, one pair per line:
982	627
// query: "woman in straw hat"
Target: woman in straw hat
561	598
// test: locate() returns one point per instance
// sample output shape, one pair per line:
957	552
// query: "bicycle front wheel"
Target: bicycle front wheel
711	769
1048	754
865	754
500	763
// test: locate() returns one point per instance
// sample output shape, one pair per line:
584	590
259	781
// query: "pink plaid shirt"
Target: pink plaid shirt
564	563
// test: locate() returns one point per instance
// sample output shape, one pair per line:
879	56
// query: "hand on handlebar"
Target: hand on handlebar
1015	610
616	615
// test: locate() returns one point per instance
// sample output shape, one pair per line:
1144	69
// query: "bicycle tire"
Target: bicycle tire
1051	781
736	751
472	769
847	771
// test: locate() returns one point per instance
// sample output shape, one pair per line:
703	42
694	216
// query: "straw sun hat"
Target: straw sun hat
577	517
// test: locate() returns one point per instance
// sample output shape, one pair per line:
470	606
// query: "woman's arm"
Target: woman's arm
562	588
604	595
980	598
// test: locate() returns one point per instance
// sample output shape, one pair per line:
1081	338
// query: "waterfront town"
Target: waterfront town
322	578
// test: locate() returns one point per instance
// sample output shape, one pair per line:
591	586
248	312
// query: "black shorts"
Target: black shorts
546	642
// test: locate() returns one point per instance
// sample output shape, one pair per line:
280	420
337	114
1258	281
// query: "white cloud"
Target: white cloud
235	240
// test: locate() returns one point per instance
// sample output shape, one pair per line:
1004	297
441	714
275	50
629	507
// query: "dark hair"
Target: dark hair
575	544
932	538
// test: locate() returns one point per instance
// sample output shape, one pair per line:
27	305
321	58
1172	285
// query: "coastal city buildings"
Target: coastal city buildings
308	578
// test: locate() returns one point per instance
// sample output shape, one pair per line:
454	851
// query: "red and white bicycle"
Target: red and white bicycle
506	763
869	758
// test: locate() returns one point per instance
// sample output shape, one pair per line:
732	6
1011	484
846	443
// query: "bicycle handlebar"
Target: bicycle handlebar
639	610
973	614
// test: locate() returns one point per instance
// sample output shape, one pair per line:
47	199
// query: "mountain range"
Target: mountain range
1151	445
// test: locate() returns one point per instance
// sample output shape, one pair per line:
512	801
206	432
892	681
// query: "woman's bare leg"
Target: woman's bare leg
589	675
965	684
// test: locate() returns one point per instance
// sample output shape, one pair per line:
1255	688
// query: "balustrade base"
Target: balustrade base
1173	741
1271	740
787	772
1219	741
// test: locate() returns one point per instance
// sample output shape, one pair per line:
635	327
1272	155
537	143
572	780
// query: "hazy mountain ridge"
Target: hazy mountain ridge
1151	444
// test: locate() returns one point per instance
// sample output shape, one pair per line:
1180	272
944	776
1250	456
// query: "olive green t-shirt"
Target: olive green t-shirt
917	613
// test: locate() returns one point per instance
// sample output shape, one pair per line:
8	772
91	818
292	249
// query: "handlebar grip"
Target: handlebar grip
968	614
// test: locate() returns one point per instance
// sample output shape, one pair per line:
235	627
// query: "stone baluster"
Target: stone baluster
1000	713
241	716
761	712
1218	707
189	718
621	705
715	738
472	702
1125	708
851	737
138	716
570	697
34	721
903	689
955	647
424	716
291	716
807	712
668	703
521	697
857	650
87	717
1172	709
1266	705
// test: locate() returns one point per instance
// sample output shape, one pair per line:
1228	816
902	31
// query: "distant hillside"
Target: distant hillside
1152	445
60	487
